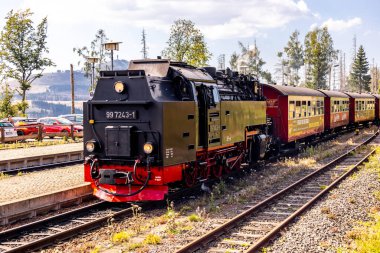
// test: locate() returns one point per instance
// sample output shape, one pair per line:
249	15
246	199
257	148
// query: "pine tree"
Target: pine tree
359	74
319	55
294	52
144	49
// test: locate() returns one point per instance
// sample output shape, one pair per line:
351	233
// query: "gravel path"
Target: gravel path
35	151
40	182
327	225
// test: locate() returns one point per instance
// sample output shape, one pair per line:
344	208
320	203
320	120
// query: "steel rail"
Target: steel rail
62	235
217	232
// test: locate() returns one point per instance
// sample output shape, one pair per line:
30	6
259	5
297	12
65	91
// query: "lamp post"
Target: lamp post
111	46
92	60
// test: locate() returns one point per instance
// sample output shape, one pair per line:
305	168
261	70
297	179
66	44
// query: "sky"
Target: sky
223	23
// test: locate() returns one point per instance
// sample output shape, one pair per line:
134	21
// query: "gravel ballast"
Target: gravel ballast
326	226
274	177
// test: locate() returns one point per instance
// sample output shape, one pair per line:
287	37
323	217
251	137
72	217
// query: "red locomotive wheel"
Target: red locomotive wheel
217	171
190	176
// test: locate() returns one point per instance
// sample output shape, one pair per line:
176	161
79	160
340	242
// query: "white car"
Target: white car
9	130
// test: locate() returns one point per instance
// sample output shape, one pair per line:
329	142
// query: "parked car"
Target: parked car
58	125
75	118
25	126
9	130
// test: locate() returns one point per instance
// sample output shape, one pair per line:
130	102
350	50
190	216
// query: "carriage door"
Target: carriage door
209	116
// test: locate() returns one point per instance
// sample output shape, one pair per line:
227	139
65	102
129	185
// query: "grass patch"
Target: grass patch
17	145
3	176
152	239
121	237
366	238
194	218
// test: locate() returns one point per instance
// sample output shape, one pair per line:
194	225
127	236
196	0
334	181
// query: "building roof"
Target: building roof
359	95
331	93
295	91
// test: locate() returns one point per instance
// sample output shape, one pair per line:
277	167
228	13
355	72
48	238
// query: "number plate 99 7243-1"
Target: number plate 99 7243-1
121	114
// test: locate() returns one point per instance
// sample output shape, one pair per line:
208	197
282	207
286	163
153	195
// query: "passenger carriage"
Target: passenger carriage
296	113
362	108
337	106
377	108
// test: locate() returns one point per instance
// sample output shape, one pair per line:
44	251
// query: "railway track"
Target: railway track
40	162
48	231
261	222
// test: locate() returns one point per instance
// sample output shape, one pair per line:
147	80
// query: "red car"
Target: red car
58	125
25	126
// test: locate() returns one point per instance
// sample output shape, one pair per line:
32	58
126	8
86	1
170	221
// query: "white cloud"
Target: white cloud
339	25
217	19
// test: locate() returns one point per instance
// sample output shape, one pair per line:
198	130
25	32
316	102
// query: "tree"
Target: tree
233	61
186	43
319	55
22	50
281	67
6	106
267	76
359	74
96	49
254	61
144	49
294	52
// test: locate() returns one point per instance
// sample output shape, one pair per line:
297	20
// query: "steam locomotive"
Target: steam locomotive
162	125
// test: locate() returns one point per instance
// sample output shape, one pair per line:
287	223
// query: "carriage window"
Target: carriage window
298	109
304	109
292	110
309	108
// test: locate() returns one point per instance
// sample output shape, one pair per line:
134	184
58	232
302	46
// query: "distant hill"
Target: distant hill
50	94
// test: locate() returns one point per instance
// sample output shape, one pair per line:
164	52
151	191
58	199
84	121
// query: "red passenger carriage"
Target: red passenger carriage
296	113
336	109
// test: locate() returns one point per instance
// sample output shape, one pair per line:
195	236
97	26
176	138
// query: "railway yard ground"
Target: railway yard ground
327	227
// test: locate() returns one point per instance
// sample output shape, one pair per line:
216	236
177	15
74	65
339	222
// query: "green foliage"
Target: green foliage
186	43
233	61
96	49
22	50
253	60
319	55
6	106
294	52
359	77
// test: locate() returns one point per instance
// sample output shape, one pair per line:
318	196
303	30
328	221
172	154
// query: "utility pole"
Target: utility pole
72	89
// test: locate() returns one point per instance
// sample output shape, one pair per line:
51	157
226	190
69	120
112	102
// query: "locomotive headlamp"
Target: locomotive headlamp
148	148
119	87
90	146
